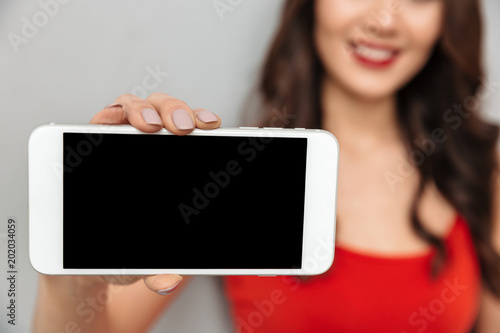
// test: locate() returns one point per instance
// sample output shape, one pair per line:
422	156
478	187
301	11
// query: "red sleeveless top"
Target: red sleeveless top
366	293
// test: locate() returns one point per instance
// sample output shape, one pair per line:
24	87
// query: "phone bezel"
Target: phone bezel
46	183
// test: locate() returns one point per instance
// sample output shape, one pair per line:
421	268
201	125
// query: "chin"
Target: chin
373	92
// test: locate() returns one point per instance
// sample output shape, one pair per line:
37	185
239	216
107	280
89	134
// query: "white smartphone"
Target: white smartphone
109	199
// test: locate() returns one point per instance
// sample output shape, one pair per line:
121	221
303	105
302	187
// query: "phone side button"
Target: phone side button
299	128
274	128
248	127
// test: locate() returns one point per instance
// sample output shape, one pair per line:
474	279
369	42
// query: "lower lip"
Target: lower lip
375	64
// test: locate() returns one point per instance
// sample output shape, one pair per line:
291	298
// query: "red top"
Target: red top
366	293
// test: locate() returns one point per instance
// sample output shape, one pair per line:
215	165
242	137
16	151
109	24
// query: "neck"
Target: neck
357	122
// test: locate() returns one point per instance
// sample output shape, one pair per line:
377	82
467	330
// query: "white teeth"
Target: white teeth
373	54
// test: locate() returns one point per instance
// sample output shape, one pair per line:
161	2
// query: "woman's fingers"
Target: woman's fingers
179	118
206	119
176	115
112	114
121	279
163	284
157	111
139	113
130	109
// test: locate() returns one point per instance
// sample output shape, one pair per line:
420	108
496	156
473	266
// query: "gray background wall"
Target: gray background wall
87	53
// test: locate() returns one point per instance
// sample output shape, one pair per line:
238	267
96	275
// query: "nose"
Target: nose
384	20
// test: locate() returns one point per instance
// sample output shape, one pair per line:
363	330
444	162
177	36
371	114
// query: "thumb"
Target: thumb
111	114
163	284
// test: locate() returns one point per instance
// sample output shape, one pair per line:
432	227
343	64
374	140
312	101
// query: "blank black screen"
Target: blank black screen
164	201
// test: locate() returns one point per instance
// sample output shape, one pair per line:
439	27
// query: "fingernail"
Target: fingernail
206	116
151	117
182	120
169	290
112	105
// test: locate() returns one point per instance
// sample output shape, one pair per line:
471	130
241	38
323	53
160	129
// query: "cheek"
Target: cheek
336	17
423	30
334	22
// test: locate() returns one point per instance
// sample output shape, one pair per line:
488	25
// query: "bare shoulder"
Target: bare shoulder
436	213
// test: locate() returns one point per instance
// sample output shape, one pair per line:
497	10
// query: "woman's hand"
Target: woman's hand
157	111
150	115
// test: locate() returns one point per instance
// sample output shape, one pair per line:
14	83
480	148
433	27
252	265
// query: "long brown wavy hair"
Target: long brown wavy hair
463	167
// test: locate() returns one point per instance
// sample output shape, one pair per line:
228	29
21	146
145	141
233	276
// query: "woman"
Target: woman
418	232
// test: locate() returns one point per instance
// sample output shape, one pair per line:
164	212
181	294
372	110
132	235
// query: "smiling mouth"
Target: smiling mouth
374	55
